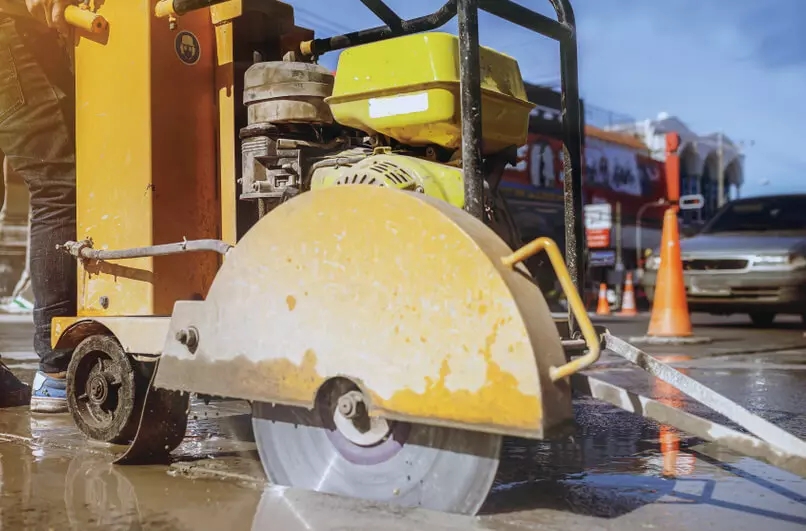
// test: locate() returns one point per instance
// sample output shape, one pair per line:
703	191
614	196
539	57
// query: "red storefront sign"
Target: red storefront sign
598	238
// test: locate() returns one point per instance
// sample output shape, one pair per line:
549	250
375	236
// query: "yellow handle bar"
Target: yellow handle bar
85	19
574	302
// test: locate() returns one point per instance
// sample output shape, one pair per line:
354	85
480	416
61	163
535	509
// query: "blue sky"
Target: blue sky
738	66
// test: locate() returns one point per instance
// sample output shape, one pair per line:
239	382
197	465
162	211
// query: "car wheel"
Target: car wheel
762	319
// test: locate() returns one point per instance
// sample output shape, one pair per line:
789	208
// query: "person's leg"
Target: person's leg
37	135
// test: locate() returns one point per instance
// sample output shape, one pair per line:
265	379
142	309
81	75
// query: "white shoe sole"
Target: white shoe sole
48	405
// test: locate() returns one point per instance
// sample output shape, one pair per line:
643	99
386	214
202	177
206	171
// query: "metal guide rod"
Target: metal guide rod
764	430
572	168
385	13
691	424
430	22
470	83
526	18
83	249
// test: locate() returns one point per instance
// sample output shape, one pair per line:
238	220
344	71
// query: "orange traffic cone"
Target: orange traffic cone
670	317
628	301
603	308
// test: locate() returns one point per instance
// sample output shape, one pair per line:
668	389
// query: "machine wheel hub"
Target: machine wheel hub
353	421
104	392
98	389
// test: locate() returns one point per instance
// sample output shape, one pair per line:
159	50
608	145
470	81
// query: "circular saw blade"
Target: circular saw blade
435	468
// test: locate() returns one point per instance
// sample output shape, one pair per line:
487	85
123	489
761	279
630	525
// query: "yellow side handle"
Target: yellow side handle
85	19
574	302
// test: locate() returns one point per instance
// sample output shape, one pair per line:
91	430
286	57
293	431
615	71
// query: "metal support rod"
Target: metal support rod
84	250
572	167
619	257
692	424
619	242
720	172
470	82
756	425
385	13
430	22
512	12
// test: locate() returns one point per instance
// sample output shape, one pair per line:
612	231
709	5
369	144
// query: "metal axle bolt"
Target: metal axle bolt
189	337
351	404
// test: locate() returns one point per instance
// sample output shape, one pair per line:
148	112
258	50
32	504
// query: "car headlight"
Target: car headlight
653	263
771	259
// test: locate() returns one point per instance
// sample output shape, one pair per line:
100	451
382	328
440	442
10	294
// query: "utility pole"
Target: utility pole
619	255
720	173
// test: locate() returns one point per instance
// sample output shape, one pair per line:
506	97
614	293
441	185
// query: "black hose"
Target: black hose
185	6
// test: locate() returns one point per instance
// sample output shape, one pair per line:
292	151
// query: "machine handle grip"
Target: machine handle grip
574	302
85	19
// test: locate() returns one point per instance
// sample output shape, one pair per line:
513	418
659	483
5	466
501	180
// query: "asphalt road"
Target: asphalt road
618	471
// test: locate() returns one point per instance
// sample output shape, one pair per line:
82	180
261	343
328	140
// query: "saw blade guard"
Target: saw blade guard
400	293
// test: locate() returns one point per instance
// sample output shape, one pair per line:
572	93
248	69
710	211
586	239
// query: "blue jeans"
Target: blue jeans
37	135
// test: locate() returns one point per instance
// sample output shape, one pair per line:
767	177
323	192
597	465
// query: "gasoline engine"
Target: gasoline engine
293	143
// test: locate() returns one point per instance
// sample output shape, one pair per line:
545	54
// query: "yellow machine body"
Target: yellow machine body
402	293
146	157
391	286
408	89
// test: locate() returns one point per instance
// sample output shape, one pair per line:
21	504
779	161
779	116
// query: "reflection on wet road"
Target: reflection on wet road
618	471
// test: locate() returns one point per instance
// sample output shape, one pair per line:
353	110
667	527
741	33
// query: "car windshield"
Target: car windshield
763	214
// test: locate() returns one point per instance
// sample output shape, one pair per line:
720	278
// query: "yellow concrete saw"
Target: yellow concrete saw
353	277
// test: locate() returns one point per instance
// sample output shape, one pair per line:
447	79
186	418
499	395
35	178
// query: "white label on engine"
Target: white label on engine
397	105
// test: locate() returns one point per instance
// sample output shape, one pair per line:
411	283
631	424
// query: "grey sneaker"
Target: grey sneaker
50	394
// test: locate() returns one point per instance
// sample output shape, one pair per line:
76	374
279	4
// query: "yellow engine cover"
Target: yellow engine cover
408	89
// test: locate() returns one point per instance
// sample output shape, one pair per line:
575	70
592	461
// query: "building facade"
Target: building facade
618	169
701	159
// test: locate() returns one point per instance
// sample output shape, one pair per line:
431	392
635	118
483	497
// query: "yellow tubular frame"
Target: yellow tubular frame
574	302
164	8
85	19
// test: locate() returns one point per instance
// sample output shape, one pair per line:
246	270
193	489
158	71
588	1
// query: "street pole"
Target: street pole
720	173
639	225
619	255
618	235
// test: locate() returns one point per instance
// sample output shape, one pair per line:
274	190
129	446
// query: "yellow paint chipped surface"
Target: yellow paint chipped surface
399	297
277	380
142	179
497	402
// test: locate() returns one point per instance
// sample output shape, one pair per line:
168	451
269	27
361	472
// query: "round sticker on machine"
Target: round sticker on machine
187	47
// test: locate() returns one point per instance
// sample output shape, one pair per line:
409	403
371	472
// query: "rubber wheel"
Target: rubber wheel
435	468
106	390
762	319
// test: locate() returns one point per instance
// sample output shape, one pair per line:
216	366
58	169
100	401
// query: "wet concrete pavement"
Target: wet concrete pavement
617	472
